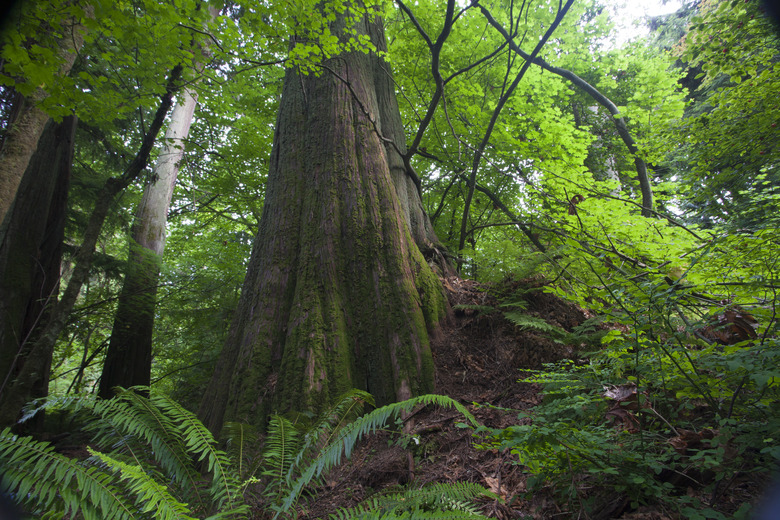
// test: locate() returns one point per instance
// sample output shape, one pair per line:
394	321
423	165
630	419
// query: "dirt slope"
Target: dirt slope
479	356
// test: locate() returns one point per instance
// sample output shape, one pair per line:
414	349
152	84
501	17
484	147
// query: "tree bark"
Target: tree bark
21	138
30	255
337	294
128	359
19	393
129	355
393	129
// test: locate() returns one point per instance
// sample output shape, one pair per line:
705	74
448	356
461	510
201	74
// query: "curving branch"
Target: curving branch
500	205
435	48
601	99
497	111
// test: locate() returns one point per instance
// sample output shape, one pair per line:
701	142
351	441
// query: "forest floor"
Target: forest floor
480	358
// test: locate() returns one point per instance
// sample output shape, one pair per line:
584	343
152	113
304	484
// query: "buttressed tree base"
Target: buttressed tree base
337	293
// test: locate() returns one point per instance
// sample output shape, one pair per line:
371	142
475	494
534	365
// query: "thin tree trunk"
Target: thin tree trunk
20	391
337	294
129	355
21	138
30	255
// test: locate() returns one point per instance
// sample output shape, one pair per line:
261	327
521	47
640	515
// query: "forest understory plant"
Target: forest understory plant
148	458
680	401
151	458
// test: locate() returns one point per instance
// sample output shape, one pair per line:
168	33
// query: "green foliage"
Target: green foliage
440	500
731	156
38	476
343	442
479	309
152	444
715	169
661	405
525	321
281	446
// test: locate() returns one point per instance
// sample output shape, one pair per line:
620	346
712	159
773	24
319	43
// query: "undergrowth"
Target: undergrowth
151	458
671	409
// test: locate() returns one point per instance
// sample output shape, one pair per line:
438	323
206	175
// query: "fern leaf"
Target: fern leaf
280	446
450	496
416	514
47	480
440	500
238	436
132	422
347	407
524	321
160	432
344	443
225	488
150	494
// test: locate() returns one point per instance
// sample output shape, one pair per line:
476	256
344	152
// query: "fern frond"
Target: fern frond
519	304
347	407
446	496
149	494
40	477
479	309
344	443
161	433
440	500
524	321
373	511
281	444
237	437
133	422
225	487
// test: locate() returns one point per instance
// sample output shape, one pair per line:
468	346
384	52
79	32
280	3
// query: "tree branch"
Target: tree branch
497	111
617	117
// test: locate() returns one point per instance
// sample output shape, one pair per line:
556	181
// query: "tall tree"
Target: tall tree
19	390
30	254
337	294
129	355
48	54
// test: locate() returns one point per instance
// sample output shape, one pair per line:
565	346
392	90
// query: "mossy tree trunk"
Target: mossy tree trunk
129	355
26	126
30	255
12	402
337	294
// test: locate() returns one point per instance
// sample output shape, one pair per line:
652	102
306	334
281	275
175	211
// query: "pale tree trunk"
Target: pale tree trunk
337	294
30	255
129	355
18	391
21	138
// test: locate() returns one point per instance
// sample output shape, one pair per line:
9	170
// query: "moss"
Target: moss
338	295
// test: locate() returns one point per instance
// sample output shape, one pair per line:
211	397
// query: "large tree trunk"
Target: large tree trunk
30	255
25	128
393	130
337	294
129	355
